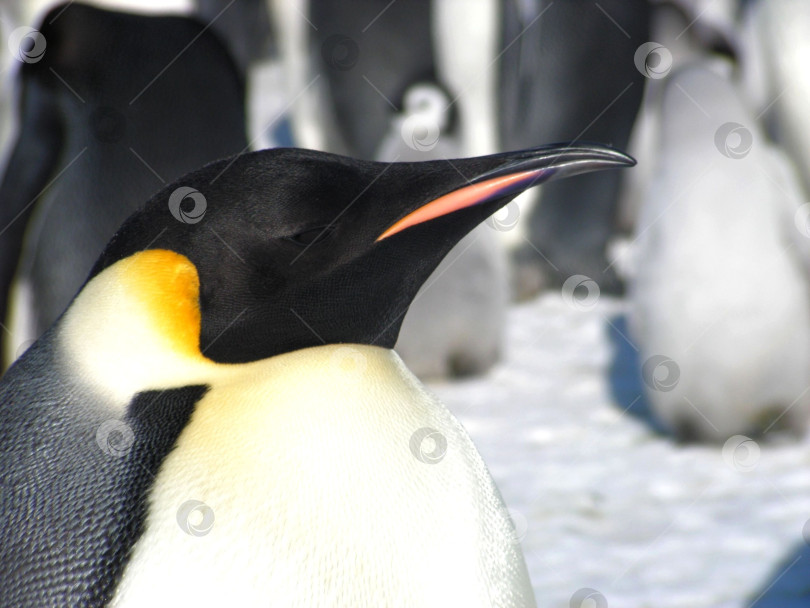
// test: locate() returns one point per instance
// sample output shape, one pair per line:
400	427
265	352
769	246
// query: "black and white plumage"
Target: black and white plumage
240	367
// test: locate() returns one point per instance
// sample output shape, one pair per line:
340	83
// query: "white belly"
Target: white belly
320	495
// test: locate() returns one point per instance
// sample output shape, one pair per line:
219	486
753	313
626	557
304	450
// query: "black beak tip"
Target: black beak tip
620	158
559	160
597	153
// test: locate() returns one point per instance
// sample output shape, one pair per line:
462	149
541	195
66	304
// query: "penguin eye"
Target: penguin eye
311	236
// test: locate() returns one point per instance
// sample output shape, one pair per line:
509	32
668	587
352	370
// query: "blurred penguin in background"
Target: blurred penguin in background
710	25
247	29
8	21
720	304
244	26
682	31
781	36
568	73
114	105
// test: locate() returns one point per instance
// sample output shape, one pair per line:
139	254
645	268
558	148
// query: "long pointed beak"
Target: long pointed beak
513	173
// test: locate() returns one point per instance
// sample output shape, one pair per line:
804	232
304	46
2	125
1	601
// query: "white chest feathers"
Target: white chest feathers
325	477
322	477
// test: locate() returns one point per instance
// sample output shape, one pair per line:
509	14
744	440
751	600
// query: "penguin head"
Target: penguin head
296	248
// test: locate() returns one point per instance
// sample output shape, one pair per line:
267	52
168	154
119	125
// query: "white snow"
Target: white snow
600	500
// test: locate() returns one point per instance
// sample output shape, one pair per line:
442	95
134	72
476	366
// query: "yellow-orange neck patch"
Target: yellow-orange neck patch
167	285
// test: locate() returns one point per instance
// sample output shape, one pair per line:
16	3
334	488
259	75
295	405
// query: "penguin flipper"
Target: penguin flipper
97	488
30	166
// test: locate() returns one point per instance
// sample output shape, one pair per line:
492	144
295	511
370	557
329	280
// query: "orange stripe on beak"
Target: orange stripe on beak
459	199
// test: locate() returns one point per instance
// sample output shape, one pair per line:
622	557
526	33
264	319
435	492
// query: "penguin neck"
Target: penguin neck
136	326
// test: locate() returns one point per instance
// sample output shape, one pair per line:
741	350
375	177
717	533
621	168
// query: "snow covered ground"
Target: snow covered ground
602	502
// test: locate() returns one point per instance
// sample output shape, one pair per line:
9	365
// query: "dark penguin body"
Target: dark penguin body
570	75
195	350
244	26
355	50
118	106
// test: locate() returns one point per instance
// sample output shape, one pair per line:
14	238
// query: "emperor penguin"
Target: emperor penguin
244	26
682	31
720	305
112	107
219	418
